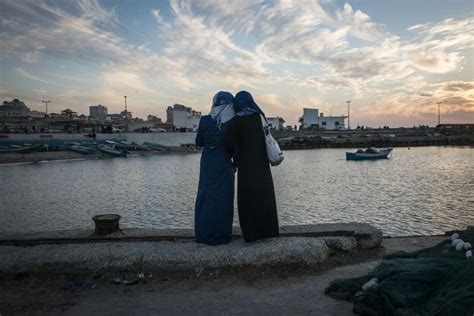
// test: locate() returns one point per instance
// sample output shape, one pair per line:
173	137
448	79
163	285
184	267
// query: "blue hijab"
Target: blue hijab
222	98
245	105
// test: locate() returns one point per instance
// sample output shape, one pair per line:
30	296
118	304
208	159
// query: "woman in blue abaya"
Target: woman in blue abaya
214	211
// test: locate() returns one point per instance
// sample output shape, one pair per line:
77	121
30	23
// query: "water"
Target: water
422	191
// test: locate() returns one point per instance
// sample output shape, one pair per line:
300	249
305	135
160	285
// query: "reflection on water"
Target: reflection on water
421	191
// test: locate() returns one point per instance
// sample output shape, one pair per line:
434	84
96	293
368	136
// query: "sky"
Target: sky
393	59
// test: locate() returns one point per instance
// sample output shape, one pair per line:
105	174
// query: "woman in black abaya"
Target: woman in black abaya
245	140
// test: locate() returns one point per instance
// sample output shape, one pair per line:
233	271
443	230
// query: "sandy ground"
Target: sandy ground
266	291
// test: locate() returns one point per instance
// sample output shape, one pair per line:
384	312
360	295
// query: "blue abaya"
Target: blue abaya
215	198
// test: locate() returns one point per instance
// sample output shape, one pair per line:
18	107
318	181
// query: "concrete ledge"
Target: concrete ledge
176	250
366	235
182	255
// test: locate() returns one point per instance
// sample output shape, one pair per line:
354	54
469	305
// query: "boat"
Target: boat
120	144
191	146
21	149
83	149
156	146
135	146
112	151
369	153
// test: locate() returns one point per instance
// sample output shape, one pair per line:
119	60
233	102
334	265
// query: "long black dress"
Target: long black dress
255	194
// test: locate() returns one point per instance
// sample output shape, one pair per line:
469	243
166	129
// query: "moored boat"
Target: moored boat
369	153
112	151
156	146
21	149
82	149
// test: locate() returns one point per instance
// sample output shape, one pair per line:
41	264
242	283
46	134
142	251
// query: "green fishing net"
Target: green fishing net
432	281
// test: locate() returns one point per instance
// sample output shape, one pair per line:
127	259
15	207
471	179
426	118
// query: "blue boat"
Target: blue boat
157	146
83	149
369	153
112	151
27	148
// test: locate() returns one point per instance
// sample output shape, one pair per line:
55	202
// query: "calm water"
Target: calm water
421	191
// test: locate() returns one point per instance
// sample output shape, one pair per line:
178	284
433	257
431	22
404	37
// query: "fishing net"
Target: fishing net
432	281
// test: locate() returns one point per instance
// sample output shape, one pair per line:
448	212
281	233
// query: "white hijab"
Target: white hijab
222	109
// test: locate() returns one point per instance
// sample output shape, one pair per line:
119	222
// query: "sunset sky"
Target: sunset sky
393	59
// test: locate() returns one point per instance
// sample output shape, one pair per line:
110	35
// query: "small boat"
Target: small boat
120	144
191	146
112	151
135	146
369	153
156	146
83	150
21	149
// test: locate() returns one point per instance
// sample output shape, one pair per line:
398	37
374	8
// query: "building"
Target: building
15	108
276	122
68	113
153	118
170	110
37	114
127	115
311	120
98	112
122	116
183	117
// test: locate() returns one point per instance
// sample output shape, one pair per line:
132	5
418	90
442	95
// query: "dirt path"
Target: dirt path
210	293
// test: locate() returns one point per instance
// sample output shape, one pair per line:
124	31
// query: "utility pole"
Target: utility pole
348	114
46	102
439	112
126	114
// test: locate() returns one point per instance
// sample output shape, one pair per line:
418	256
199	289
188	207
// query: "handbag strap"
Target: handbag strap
265	128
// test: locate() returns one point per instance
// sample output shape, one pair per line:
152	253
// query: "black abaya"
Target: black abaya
255	194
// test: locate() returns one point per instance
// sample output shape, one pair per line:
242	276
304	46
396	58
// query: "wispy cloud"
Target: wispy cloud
289	53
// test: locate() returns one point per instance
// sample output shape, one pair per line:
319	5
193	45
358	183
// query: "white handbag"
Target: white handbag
274	153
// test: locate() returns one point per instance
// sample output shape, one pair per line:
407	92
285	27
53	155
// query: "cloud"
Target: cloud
286	52
436	47
26	74
458	86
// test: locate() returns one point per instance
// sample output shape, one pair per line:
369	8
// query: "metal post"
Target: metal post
348	114
439	113
126	116
46	102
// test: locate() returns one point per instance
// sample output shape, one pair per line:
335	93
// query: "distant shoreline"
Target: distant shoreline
52	156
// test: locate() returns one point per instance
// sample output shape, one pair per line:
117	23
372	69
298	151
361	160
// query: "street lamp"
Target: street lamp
46	102
126	114
348	114
439	112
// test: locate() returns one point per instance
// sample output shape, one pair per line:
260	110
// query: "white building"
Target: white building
37	114
15	108
183	117
276	122
311	119
98	111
